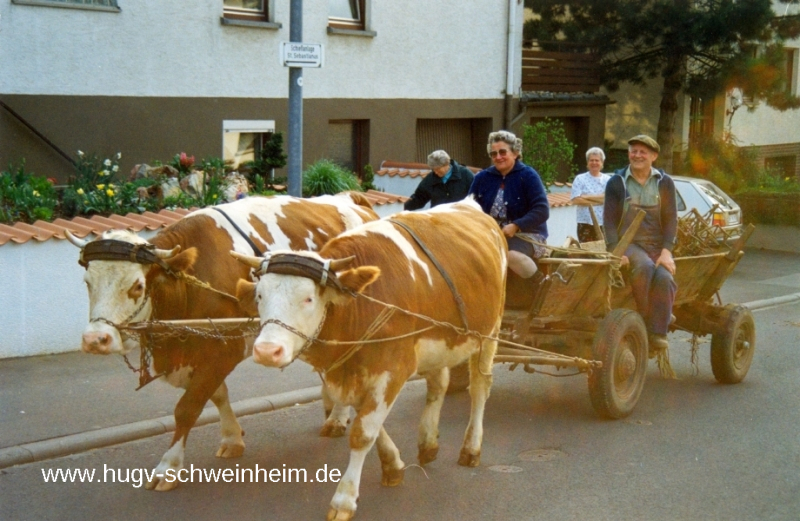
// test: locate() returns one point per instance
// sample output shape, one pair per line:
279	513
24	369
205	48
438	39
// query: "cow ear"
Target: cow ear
246	293
359	278
182	261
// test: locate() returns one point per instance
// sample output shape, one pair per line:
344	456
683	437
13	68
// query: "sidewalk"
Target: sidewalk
61	404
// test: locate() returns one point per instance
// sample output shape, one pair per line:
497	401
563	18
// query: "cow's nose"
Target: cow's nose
267	353
96	343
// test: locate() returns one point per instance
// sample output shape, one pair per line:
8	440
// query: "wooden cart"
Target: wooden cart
582	311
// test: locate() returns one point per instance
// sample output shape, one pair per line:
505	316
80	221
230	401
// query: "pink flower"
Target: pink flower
186	161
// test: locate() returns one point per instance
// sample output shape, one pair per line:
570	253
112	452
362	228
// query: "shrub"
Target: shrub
326	177
546	148
368	179
25	197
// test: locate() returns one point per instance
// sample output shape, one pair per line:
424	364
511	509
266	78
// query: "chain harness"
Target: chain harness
144	254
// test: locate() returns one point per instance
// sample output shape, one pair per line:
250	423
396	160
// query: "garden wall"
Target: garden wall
44	305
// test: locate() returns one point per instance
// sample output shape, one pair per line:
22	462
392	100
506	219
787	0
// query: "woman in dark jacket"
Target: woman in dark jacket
447	182
513	193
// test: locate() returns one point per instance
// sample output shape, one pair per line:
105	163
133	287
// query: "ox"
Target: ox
393	263
122	291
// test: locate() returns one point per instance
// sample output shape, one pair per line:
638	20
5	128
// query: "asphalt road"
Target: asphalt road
692	450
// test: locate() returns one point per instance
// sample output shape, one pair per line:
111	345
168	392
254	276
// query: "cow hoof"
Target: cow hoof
392	477
230	450
340	515
427	455
333	430
161	484
469	460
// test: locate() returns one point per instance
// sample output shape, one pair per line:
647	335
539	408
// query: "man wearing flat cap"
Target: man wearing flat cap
640	186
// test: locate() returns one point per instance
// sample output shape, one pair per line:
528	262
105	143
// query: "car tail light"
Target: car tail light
719	219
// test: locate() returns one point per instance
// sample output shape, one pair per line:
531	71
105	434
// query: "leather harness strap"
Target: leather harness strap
110	249
445	276
256	249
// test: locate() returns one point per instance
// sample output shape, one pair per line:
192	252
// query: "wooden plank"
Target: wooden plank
559	88
530	53
551	72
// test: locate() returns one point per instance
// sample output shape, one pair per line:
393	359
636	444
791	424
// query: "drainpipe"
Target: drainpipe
511	63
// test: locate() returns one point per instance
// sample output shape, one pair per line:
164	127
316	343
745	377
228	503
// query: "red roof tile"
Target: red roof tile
81	226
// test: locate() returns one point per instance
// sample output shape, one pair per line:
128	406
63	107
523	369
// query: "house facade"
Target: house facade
773	135
151	79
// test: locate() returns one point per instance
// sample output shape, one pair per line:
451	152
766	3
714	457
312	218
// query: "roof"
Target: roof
41	231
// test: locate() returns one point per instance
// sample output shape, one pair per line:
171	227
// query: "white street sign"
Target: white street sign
296	54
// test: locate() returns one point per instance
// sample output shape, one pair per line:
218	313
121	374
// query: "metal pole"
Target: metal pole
295	163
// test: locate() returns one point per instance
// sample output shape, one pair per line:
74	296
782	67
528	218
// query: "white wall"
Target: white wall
561	224
44	305
447	49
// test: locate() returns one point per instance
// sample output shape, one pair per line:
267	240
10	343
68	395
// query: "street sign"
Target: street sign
296	54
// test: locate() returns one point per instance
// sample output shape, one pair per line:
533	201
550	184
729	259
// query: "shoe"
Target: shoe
657	343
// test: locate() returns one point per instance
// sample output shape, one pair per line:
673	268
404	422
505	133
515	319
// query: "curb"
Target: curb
73	443
772	302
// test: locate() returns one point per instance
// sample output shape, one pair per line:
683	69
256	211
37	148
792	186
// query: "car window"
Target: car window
716	195
681	205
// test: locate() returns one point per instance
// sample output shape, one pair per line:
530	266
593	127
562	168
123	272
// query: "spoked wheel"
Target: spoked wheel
621	344
732	349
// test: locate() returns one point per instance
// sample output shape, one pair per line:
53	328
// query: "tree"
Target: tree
700	47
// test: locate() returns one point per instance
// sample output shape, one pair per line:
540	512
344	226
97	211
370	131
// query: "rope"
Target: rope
194	281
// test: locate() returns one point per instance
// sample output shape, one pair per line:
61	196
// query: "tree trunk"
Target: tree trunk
674	73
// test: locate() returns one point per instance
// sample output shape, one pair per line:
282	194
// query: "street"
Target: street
692	449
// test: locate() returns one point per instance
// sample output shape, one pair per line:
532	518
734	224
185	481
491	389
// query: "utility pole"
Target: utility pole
295	162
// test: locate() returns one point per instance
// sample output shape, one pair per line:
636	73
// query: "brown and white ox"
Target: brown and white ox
381	260
122	291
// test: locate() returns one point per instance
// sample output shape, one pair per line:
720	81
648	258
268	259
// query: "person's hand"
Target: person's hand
510	229
666	260
624	261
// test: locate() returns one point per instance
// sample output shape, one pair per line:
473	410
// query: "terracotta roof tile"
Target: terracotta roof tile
150	224
17	235
559	199
81	226
40	234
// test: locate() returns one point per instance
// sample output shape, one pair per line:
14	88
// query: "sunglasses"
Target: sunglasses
500	152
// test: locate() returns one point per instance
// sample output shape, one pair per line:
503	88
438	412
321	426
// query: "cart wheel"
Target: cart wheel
621	344
732	350
459	378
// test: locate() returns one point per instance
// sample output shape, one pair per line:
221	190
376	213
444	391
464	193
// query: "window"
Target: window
791	70
346	14
255	10
98	5
348	144
701	120
243	140
783	166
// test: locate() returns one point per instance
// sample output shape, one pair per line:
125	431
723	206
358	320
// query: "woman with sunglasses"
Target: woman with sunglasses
513	193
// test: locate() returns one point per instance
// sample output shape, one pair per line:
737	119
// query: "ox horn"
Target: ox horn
167	254
340	264
80	243
250	260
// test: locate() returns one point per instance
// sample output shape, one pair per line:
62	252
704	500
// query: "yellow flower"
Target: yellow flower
80	191
110	192
214	196
36	193
101	186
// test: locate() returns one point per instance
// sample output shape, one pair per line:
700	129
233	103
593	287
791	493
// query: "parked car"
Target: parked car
697	193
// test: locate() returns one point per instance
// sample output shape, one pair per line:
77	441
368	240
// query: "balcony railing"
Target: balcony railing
559	71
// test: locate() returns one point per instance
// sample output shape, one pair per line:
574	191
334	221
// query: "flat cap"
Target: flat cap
646	141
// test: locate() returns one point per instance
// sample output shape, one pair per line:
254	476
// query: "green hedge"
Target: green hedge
770	208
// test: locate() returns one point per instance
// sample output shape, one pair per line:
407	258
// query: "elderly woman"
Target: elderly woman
588	190
513	193
446	183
